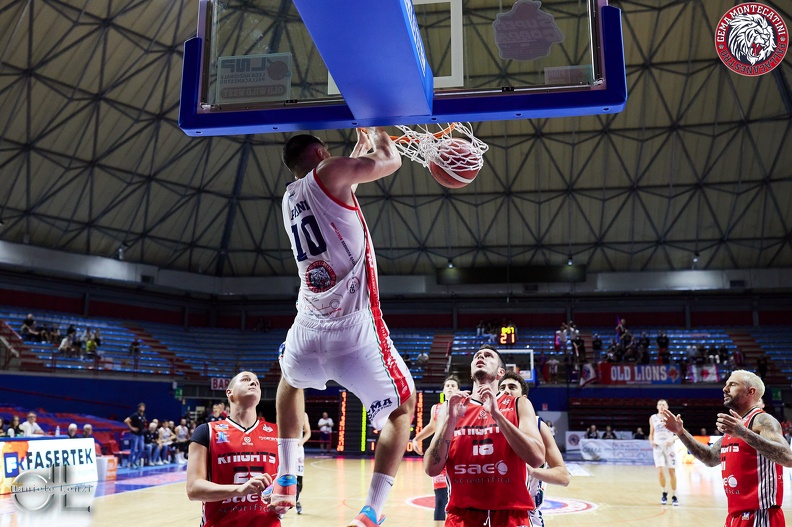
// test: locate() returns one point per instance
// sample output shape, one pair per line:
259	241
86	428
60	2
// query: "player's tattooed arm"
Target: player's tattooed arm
768	439
434	451
709	455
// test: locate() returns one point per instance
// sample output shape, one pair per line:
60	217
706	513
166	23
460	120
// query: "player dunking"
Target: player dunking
230	488
339	332
479	430
451	385
662	441
554	469
751	453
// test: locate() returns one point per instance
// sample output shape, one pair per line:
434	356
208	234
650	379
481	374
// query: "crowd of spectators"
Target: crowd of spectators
74	343
160	442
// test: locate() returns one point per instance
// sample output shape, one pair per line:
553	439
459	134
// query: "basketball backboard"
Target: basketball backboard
259	66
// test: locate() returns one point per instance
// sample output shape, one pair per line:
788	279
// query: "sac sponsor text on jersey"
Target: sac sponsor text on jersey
236	456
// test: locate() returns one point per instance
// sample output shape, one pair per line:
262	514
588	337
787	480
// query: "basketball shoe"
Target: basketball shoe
366	518
674	501
283	495
664	499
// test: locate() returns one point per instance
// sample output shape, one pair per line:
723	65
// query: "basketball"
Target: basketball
456	164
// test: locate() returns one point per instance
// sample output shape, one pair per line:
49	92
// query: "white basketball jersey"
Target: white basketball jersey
661	433
331	245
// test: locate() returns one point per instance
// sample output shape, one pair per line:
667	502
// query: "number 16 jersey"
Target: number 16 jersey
332	247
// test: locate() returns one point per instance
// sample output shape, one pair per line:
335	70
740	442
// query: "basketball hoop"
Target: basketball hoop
425	146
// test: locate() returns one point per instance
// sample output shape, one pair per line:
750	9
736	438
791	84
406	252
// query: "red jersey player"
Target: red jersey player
484	442
232	461
751	453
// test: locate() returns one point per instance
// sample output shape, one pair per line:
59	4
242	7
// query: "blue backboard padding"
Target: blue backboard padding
488	107
374	53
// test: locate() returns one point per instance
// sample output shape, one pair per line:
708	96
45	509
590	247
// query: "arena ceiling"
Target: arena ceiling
92	159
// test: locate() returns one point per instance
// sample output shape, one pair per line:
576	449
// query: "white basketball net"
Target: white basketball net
421	146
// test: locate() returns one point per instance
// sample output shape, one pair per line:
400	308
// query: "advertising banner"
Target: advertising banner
638	451
48	476
638	374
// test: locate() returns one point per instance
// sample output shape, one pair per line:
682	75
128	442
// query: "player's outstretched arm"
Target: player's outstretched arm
765	435
556	472
429	429
709	455
199	488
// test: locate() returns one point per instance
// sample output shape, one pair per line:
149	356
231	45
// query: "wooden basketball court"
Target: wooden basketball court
335	489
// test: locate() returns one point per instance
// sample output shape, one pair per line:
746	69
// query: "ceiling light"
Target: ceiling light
695	257
569	261
450	263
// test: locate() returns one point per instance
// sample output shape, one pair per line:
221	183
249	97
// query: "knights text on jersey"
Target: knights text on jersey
751	481
235	456
484	472
331	245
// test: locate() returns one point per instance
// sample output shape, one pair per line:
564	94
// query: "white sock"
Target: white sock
379	490
287	454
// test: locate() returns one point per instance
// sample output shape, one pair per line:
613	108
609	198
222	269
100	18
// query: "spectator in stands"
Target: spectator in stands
97	337
701	354
592	432
30	427
422	359
14	428
151	447
182	441
639	433
3	427
596	345
712	354
88	431
738	359
761	366
134	348
137	424
215	415
166	438
662	347
579	347
612	355
65	347
644	341
481	329
552	369
643	354
723	353
71	432
691	354
703	432
91	350
609	433
621	329
55	335
325	433
29	330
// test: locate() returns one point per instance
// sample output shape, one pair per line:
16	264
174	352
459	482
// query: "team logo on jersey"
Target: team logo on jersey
731	481
266	427
320	277
377	406
221	427
247	441
222	437
751	39
353	285
483	414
